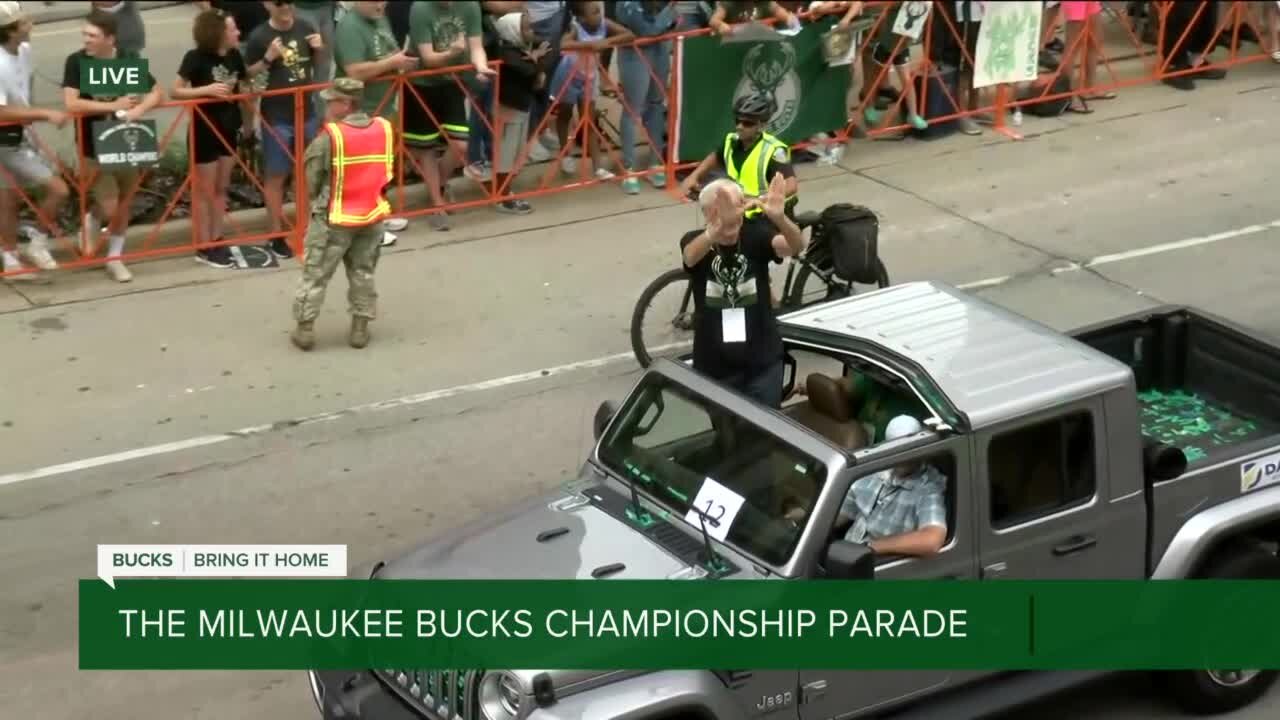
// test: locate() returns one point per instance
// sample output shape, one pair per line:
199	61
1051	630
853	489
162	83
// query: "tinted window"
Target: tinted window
1041	469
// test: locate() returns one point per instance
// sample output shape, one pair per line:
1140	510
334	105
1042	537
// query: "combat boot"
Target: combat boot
304	335
359	332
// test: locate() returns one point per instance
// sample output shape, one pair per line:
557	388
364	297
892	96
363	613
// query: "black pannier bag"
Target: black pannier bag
852	233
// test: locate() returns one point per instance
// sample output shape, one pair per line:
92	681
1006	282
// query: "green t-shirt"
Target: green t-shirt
877	405
442	24
358	39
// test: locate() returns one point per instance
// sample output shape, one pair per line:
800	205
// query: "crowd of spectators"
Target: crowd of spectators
548	56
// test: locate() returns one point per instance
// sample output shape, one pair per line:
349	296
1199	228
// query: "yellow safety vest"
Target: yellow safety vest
754	174
363	159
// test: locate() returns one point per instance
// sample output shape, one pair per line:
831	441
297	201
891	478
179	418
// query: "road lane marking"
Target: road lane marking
431	396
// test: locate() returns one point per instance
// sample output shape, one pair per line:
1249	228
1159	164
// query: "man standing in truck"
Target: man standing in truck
900	511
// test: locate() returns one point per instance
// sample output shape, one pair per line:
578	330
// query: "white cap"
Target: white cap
902	426
10	13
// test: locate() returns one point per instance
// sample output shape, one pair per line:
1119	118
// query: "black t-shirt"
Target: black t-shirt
294	68
71	79
736	277
202	68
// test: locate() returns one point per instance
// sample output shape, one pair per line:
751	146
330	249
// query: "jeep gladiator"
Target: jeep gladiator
1143	447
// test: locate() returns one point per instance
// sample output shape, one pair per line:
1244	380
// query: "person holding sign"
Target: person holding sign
95	105
212	71
21	164
735	337
347	168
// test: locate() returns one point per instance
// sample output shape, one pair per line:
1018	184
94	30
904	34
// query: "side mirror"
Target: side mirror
604	414
849	561
1163	462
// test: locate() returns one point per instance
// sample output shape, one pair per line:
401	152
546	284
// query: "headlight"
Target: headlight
501	697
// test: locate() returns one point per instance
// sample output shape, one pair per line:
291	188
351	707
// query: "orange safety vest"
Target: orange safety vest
362	167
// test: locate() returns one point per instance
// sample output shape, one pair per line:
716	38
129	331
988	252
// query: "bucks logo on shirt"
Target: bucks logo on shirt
731	283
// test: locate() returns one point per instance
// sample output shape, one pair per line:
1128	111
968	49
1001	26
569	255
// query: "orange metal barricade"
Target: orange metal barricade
1125	57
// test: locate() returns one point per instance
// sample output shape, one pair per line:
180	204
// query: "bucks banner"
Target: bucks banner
714	72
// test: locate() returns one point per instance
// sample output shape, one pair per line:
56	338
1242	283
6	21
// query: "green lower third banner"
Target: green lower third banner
677	624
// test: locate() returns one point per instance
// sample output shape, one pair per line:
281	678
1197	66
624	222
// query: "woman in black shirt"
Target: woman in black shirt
212	71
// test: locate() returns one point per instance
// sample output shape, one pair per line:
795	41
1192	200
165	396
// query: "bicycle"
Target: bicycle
817	261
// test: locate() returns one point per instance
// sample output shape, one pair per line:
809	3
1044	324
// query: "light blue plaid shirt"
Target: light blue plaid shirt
882	505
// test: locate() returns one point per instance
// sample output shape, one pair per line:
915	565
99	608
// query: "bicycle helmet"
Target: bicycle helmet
758	106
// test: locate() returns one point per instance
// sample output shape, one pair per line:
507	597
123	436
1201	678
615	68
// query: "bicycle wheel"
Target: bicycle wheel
670	328
819	291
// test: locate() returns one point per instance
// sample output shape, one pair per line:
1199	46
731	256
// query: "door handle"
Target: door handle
1075	544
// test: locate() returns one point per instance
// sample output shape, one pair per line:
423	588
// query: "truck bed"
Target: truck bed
1203	385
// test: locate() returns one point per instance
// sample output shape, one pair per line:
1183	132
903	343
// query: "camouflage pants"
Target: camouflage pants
326	247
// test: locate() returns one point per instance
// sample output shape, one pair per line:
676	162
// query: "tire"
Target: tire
1197	691
795	298
669	277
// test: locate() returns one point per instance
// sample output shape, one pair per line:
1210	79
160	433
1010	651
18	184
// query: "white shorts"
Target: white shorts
22	167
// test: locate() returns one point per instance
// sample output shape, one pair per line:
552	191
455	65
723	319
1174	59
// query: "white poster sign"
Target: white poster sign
1008	48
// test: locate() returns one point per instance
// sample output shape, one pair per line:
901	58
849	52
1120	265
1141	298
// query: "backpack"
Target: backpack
852	234
1041	87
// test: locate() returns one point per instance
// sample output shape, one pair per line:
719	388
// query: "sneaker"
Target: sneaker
968	126
478	171
514	207
37	251
215	257
438	221
388	238
395	224
631	186
281	249
604	174
12	265
118	271
569	165
539	153
917	122
659	177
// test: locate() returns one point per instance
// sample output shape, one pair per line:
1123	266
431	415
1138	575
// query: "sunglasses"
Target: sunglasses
747	122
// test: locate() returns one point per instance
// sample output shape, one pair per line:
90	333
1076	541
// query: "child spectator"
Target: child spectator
575	83
213	69
520	75
1084	38
891	49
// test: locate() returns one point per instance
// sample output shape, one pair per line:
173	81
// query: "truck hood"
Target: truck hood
555	536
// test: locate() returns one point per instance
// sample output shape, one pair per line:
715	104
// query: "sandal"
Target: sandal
1276	56
1108	95
1080	107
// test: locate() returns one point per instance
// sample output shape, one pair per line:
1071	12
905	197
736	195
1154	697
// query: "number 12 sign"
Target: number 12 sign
718	504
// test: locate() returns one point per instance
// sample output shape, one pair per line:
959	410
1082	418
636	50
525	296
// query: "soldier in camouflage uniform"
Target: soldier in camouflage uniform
346	166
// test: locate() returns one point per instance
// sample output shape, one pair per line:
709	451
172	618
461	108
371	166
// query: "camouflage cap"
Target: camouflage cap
344	88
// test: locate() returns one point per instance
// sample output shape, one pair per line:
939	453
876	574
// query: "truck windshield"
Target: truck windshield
681	449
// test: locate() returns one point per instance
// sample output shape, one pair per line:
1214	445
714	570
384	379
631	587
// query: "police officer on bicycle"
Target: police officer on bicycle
750	156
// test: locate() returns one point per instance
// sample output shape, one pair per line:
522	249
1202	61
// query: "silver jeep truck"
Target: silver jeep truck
1145	447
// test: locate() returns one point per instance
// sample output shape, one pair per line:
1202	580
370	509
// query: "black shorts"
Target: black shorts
448	105
884	53
206	147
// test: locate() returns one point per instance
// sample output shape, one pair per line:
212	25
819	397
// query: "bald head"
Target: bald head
717	191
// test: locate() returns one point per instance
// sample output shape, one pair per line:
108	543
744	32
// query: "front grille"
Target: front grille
438	694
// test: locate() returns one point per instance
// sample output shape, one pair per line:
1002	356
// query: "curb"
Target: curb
41	13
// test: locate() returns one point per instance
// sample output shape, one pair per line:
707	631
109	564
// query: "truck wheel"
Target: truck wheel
1209	692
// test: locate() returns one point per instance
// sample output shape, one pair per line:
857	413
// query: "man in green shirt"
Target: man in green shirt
365	49
443	34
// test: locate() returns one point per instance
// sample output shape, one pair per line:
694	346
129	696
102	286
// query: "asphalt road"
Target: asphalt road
498	340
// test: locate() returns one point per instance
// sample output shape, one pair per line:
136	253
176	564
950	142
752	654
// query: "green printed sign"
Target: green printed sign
809	93
120	144
642	624
114	77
